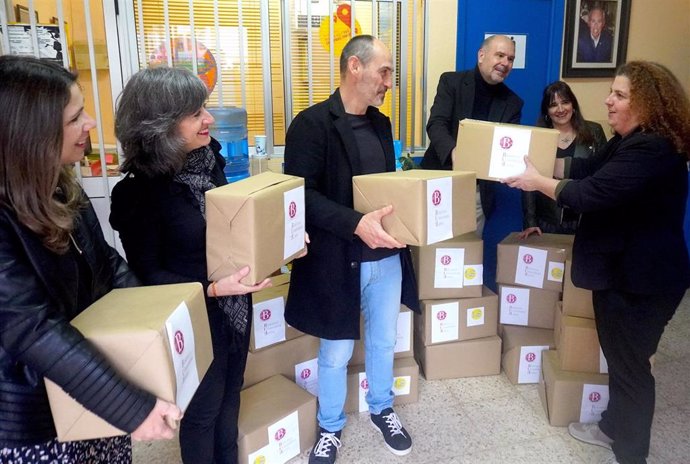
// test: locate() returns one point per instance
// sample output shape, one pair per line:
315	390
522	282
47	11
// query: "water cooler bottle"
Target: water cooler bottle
230	129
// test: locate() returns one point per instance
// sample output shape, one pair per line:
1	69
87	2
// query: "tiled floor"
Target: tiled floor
489	420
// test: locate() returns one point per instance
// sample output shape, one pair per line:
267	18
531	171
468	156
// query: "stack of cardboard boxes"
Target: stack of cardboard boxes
574	385
530	279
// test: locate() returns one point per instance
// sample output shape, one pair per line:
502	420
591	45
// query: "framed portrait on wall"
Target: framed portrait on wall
595	40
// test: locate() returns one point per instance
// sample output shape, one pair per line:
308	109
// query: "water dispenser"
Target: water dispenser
230	129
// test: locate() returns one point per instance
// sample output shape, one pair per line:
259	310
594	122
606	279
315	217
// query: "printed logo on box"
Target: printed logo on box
260	460
292	209
445	260
400	383
470	273
280	434
511	298
305	374
179	342
528	259
506	142
556	271
364	384
436	197
265	314
530	357
441	315
477	313
595	397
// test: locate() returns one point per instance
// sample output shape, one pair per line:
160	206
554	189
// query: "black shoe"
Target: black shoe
394	434
325	449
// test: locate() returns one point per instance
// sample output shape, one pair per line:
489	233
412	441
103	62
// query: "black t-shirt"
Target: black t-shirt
372	160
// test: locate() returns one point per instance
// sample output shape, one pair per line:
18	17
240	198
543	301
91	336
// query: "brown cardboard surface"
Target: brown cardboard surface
467	312
425	264
245	226
561	391
514	338
578	348
557	247
358	350
541	309
403	367
128	327
474	147
576	301
281	285
470	358
557	319
266	403
407	192
279	359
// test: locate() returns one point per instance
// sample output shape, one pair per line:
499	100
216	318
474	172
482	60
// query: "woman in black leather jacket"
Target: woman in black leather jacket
54	262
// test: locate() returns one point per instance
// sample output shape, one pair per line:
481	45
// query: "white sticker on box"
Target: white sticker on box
269	322
595	399
439	207
181	340
363	388
402	385
473	275
448	268
530	363
556	271
603	364
307	375
283	437
402	338
508	149
531	264
514	305
262	456
293	206
444	322
475	316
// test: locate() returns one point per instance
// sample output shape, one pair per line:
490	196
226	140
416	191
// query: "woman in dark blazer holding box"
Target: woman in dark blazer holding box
630	248
54	262
159	211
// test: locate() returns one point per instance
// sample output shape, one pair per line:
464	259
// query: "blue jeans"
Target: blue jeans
380	285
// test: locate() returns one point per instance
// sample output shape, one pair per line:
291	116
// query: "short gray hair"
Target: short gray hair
149	111
361	46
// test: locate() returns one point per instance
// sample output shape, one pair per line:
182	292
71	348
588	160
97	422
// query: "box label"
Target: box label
363	388
307	375
402	385
402	338
444	322
448	269
508	149
474	274
514	305
531	264
269	322
181	339
556	271
283	437
475	316
439	207
530	363
293	206
595	399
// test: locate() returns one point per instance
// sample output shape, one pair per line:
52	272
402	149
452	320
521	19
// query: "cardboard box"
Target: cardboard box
256	222
128	326
497	150
578	346
428	206
443	321
537	261
403	340
268	318
576	301
283	358
529	307
471	358
450	269
277	421
522	349
405	385
571	396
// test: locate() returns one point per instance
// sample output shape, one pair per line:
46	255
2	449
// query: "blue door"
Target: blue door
541	22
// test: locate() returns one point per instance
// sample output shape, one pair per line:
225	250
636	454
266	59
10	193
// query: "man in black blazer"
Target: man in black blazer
477	93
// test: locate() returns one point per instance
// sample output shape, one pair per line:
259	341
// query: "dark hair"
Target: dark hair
361	46
660	101
33	97
563	90
149	111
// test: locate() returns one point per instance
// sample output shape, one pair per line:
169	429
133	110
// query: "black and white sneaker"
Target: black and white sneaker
394	434
325	449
